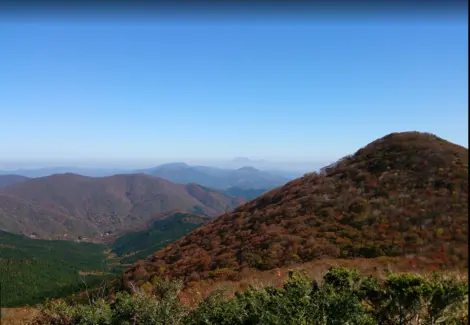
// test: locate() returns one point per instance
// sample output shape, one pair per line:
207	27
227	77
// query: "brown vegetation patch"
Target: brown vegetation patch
405	194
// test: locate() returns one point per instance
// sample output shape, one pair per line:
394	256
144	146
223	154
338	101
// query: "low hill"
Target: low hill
245	177
7	180
75	205
137	245
33	270
405	194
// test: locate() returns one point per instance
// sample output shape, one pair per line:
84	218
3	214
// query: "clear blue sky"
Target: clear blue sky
113	90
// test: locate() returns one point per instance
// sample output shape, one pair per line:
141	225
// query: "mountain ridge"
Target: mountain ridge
177	172
10	179
85	206
393	197
244	177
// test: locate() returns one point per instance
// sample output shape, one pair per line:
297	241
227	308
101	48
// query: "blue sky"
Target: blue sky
173	90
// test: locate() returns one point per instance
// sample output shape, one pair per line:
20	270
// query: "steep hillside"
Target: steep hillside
245	177
402	195
137	245
85	206
7	180
248	194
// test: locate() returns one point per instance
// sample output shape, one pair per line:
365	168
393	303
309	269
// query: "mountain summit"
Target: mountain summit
405	194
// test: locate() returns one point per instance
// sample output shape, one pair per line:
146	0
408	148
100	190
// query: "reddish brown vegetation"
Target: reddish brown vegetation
88	206
195	291
402	195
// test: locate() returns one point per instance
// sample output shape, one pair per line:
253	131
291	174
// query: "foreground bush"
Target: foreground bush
343	297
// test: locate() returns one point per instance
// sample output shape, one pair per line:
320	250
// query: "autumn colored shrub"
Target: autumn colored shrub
403	194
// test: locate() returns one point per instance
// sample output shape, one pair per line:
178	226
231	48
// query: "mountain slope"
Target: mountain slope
402	195
248	194
245	177
32	270
137	245
87	206
10	179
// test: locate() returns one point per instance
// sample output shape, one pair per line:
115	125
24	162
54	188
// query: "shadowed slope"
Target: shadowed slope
7	180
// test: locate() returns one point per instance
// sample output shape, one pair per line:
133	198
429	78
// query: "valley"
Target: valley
33	270
74	232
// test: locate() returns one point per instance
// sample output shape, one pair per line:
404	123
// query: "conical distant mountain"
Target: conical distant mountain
405	194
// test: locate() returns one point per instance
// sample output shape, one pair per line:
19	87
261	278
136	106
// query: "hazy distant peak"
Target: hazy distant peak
177	165
245	160
248	169
63	175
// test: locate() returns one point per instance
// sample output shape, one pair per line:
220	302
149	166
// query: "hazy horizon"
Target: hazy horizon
287	166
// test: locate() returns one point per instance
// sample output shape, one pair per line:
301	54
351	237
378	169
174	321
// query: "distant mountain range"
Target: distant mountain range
78	205
245	177
403	196
42	172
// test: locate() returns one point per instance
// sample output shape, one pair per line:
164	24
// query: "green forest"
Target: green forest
138	245
32	270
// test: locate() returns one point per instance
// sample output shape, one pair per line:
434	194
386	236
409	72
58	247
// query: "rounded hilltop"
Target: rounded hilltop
415	146
410	152
405	194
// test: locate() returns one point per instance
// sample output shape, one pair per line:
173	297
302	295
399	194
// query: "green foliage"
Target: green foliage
61	313
158	307
344	297
32	270
341	278
414	299
162	232
443	297
405	292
